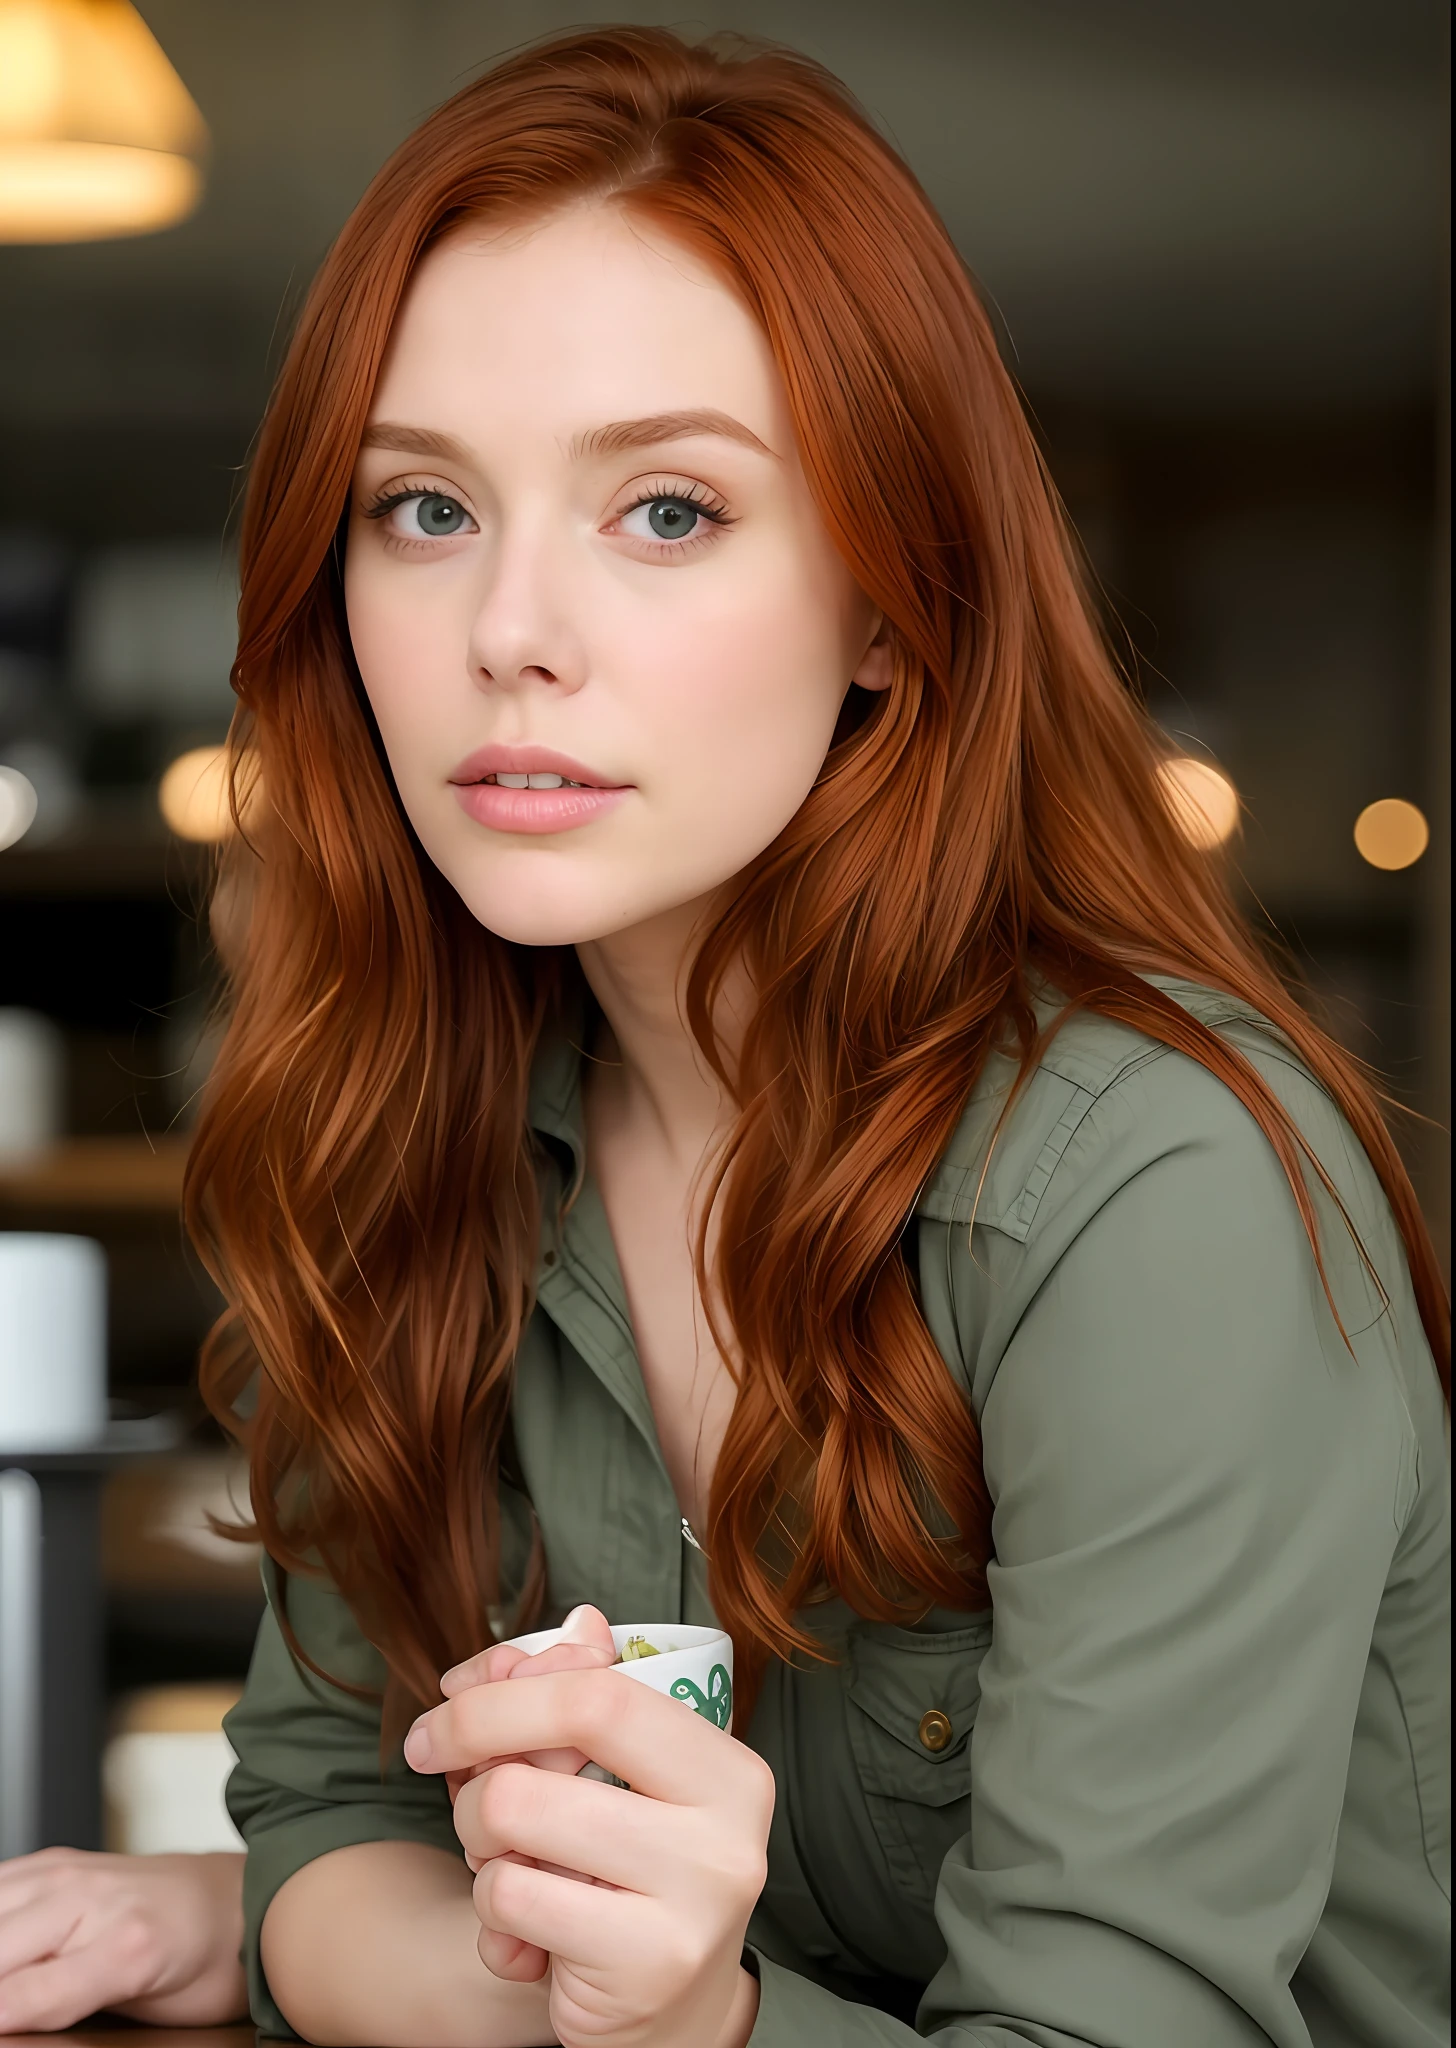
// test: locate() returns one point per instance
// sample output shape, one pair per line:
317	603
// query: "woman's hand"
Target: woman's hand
638	1900
155	1937
586	1645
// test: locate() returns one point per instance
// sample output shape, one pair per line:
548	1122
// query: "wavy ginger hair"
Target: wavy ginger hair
362	1183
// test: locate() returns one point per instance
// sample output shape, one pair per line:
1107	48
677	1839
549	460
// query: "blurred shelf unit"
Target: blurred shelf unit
97	1176
118	848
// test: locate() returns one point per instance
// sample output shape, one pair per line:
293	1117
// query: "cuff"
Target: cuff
793	2010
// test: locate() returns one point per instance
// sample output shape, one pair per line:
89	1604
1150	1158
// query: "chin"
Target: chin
546	917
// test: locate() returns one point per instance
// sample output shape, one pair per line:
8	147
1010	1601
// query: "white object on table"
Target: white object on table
52	1342
164	1773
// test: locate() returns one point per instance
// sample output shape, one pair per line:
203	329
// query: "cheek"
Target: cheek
403	650
744	698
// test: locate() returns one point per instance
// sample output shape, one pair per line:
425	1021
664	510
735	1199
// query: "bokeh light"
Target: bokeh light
1203	800
193	795
1392	833
18	806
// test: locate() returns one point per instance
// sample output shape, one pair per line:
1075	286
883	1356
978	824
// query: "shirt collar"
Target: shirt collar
554	1099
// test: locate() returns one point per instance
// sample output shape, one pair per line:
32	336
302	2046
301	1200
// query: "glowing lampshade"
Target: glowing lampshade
98	134
1391	833
1203	801
193	796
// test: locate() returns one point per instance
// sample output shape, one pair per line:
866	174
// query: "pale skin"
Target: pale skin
580	526
154	1937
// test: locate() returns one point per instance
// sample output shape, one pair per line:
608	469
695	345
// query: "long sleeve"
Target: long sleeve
308	1778
1198	1493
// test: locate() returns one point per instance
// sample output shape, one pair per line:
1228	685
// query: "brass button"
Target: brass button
935	1730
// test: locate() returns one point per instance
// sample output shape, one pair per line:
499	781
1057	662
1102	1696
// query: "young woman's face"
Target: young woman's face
582	549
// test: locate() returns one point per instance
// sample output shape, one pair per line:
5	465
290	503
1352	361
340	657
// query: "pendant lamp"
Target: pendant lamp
98	135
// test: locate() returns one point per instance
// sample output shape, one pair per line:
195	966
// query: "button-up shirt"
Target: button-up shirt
1186	1779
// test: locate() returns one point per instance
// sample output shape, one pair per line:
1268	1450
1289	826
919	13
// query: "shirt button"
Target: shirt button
935	1731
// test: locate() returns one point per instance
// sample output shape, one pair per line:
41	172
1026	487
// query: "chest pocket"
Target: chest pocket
912	1706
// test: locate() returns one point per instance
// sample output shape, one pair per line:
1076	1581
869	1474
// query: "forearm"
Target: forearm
376	1944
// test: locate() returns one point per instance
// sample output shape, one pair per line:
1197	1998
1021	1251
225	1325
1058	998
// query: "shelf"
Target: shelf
131	1174
156	1528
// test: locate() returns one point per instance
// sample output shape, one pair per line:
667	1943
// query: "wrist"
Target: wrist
742	2015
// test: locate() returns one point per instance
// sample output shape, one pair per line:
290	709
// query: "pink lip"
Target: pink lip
531	810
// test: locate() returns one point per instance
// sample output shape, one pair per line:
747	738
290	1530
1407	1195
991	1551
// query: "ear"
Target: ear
876	664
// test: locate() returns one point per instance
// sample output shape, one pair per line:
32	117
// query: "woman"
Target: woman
741	1101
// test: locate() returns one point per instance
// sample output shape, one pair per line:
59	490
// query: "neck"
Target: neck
651	1063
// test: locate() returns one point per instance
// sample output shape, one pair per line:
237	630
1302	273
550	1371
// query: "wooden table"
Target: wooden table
118	2034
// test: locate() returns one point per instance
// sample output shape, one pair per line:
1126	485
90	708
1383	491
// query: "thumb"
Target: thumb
590	1626
585	1644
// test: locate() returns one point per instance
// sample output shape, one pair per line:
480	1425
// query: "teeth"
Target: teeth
535	782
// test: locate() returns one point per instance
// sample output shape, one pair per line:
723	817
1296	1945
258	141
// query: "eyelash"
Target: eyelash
697	495
380	508
703	501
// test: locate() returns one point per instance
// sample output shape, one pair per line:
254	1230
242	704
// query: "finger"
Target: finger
518	1962
486	1668
566	1761
33	1931
61	1990
576	1824
584	1628
659	1745
564	1657
590	1926
575	1656
505	1955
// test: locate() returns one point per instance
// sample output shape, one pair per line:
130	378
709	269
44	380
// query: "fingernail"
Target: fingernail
569	1626
418	1747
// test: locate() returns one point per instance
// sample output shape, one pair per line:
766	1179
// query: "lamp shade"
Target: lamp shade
98	135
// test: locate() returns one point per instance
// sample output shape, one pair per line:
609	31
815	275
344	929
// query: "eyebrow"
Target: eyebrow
613	439
414	441
666	426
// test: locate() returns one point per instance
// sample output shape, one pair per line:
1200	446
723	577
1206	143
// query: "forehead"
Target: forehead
587	316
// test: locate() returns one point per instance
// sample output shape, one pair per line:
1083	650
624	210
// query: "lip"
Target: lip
532	810
501	760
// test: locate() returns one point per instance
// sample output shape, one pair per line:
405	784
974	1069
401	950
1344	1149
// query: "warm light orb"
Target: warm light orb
1202	799
18	806
98	135
1392	833
193	796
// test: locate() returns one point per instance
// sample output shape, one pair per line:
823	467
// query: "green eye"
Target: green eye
672	518
438	515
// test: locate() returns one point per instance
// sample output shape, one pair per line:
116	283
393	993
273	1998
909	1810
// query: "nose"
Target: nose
523	634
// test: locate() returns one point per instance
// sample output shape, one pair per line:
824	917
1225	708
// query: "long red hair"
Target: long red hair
362	1182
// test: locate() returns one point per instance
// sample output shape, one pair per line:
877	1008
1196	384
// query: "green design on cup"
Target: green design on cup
716	1705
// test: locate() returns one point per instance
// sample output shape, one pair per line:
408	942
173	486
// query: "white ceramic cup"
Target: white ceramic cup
694	1665
52	1342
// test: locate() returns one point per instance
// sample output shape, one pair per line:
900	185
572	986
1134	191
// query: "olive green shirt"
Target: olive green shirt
1195	1792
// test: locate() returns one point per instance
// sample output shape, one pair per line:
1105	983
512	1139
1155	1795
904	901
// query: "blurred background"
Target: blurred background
1214	242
